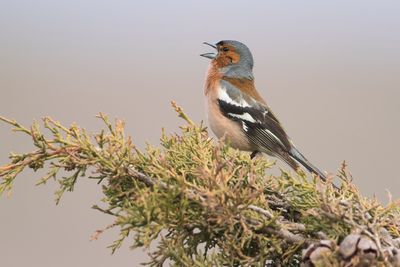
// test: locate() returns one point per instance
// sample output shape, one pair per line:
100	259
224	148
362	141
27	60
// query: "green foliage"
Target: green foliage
202	202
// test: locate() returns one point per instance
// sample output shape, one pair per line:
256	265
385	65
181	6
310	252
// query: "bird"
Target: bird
237	111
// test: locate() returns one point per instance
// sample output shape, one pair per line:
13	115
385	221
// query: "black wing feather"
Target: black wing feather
263	129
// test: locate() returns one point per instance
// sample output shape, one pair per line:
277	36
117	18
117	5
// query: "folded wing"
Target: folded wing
261	126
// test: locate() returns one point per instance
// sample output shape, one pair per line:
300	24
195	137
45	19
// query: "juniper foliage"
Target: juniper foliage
206	204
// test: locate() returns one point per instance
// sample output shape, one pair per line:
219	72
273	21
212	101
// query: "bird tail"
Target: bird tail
297	156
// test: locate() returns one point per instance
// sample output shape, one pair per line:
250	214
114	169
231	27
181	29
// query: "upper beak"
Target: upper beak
211	55
212	45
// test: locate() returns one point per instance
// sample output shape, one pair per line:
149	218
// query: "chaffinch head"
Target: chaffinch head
237	111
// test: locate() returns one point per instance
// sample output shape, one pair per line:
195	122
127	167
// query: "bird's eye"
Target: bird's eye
225	49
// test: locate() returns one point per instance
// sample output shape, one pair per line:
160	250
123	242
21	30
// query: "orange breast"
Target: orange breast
212	79
219	124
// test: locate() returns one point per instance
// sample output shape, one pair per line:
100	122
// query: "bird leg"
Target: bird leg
253	154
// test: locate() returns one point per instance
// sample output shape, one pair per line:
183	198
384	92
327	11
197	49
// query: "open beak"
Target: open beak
210	55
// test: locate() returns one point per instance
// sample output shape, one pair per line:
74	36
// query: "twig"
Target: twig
148	181
264	212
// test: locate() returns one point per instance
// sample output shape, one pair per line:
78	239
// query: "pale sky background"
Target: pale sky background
330	70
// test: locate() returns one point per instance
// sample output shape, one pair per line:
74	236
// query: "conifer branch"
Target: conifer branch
209	205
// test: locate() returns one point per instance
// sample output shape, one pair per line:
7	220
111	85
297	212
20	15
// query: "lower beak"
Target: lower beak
209	55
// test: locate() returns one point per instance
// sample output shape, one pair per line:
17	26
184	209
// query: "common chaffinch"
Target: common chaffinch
237	111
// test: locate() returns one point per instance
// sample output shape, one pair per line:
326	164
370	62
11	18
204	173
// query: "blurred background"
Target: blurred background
330	70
